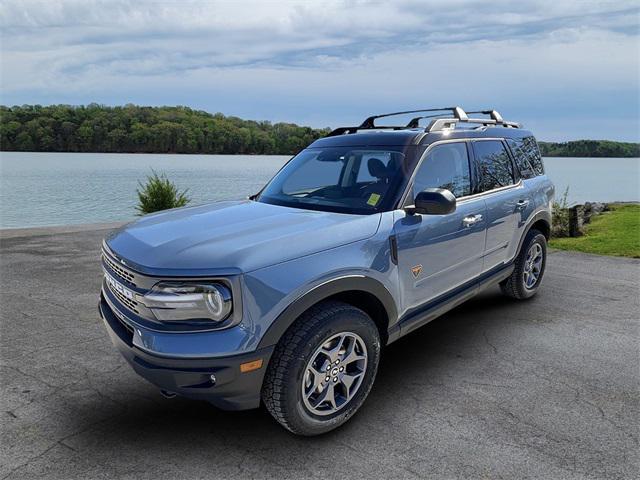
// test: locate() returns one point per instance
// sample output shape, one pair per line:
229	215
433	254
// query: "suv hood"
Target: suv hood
228	237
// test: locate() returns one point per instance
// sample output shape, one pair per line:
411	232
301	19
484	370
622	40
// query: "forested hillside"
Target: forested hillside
135	129
590	148
98	128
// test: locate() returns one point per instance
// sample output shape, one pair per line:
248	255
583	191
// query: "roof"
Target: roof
415	137
371	138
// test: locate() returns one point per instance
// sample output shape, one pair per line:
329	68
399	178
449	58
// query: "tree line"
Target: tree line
136	129
590	148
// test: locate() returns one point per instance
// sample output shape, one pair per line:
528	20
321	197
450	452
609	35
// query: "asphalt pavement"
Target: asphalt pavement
495	389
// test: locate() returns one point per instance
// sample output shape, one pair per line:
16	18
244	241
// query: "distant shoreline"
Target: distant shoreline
259	154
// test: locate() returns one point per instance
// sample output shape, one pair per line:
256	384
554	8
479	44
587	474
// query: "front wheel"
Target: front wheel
529	268
322	369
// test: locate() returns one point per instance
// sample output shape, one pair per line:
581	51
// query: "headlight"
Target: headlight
176	301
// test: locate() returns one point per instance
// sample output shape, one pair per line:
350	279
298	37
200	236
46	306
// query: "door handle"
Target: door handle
471	220
522	204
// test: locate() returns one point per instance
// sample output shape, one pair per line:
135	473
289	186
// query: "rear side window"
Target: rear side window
527	155
495	168
446	166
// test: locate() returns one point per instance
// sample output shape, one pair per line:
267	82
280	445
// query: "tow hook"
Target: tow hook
167	394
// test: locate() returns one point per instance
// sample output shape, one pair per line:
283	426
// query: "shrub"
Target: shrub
159	193
560	220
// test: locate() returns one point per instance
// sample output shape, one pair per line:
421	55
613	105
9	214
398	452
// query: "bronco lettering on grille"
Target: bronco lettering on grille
119	287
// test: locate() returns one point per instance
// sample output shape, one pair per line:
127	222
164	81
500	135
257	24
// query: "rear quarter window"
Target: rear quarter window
527	155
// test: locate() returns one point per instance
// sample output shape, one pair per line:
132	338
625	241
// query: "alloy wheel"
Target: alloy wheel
533	266
334	374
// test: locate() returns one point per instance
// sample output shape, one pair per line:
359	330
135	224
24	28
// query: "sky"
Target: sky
565	69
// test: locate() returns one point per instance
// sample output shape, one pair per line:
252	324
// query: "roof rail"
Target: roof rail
369	122
449	123
496	119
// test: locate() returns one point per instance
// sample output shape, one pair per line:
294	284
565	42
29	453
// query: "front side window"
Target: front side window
340	179
494	165
445	166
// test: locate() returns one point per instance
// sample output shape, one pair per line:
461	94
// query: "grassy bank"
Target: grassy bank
616	232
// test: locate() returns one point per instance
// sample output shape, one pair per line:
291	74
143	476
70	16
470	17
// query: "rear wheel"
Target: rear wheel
529	268
322	369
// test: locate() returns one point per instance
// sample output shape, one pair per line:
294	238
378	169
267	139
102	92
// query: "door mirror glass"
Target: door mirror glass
433	201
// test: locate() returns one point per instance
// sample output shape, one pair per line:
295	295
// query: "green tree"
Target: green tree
159	193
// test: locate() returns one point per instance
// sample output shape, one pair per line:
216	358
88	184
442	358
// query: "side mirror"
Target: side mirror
433	201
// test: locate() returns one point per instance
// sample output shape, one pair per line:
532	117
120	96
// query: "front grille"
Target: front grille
122	273
127	302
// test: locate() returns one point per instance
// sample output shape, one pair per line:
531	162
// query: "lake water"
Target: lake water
38	189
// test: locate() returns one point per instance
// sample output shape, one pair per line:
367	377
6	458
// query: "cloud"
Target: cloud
328	62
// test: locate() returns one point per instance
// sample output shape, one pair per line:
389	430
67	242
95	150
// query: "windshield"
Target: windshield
341	179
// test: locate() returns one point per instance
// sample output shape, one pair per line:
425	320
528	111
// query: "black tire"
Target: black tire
515	286
282	387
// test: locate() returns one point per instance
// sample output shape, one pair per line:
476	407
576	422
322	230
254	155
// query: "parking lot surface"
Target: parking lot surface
495	389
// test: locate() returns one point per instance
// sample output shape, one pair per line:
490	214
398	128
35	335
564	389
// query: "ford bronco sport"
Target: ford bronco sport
288	297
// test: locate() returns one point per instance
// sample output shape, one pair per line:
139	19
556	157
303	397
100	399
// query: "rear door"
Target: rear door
437	253
507	200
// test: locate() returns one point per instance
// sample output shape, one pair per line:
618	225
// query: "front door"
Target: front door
437	253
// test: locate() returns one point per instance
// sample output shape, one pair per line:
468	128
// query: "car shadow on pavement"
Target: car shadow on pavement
139	419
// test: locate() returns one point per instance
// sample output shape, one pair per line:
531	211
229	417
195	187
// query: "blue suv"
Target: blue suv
289	296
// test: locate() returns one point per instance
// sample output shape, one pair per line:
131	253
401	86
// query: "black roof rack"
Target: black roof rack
457	112
459	115
369	122
415	122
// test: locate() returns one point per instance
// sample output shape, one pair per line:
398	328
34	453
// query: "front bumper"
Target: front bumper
191	377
